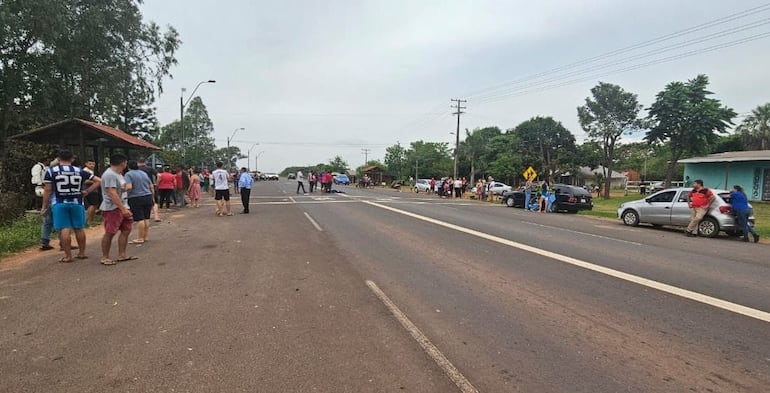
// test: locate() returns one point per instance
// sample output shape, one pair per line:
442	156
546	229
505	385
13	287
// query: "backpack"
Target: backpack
38	174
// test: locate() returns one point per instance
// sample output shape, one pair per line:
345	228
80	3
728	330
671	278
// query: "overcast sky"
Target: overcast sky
309	80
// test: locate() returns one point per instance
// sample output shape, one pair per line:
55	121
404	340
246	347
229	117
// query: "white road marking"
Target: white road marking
449	369
687	294
292	200
312	221
582	233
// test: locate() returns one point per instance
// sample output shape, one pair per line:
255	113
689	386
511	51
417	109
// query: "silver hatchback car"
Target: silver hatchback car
669	207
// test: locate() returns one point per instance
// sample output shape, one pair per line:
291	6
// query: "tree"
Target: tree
432	158
475	148
611	113
197	141
755	129
337	164
395	160
687	120
545	144
228	156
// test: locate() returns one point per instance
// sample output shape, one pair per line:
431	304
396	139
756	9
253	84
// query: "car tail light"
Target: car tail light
726	209
572	200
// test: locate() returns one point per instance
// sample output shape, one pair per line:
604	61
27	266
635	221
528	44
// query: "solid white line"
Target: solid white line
292	200
449	369
687	294
312	221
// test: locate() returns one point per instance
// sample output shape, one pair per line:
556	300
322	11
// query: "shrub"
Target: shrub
20	234
12	206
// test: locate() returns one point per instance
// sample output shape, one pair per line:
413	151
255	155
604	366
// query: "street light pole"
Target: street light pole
256	161
229	155
183	104
248	156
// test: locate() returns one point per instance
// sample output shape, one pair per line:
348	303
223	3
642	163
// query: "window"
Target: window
667	196
683	196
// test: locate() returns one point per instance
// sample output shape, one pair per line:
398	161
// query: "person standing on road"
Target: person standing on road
312	181
699	200
194	192
245	181
63	188
166	187
490	189
300	182
116	215
527	192
458	187
140	200
741	207
153	175
222	190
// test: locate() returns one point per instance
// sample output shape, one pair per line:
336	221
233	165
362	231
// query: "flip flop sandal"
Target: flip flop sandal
131	258
136	242
108	262
81	256
65	260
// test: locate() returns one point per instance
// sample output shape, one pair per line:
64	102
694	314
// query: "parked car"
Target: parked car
422	185
271	176
498	189
569	198
342	179
669	207
291	176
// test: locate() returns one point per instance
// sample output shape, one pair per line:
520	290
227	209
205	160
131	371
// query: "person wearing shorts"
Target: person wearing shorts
63	187
140	199
115	213
222	190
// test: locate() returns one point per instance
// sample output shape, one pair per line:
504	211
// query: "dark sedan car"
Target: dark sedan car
569	199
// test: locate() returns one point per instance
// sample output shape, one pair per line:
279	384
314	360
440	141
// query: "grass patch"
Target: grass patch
20	234
609	208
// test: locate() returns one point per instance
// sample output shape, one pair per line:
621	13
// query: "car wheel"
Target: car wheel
509	202
708	227
630	218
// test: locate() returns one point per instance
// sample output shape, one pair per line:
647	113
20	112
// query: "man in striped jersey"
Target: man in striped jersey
63	188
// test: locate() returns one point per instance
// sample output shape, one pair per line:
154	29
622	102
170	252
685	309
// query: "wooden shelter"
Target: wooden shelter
89	140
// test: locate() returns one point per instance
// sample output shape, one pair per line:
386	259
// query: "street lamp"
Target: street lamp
182	104
256	161
248	155
229	155
457	144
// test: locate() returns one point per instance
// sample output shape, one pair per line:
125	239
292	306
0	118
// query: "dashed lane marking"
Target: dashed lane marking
684	293
449	369
582	233
312	221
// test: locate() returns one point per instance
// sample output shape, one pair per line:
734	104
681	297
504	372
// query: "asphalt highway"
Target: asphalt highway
383	291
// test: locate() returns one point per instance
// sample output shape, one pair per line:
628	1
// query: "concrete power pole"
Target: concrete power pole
366	152
459	108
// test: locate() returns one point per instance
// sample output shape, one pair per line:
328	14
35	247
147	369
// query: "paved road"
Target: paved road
277	301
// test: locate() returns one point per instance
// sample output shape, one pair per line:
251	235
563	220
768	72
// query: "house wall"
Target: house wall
752	175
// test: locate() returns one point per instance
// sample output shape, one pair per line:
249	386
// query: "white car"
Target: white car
498	189
422	185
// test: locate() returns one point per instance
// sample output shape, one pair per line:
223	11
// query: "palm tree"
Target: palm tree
755	129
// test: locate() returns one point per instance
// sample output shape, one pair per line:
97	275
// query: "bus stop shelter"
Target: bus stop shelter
89	140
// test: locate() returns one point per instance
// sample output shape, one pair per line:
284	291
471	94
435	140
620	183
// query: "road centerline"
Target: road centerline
449	369
312	221
670	289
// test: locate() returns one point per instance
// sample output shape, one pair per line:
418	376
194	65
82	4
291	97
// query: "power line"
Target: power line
365	152
710	37
629	68
666	37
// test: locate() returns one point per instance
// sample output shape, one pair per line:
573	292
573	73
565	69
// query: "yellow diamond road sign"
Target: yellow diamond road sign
530	174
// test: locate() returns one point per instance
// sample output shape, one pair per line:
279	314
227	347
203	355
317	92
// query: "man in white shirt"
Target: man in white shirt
300	180
222	190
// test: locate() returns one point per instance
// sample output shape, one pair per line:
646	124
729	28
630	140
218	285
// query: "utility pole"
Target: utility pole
459	108
366	152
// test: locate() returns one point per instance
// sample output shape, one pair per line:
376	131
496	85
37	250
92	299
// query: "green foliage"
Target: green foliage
197	141
396	162
12	206
432	159
19	234
687	120
610	113
546	145
96	60
476	151
755	129
734	142
337	164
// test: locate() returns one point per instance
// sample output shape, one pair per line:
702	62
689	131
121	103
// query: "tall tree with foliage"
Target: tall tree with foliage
475	149
197	141
337	164
609	114
755	129
687	119
433	159
545	144
395	160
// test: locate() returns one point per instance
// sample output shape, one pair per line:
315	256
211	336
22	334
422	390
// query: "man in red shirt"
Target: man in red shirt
699	200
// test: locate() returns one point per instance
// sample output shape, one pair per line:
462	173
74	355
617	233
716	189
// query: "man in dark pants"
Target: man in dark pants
244	183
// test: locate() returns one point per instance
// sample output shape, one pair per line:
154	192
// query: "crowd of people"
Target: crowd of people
128	194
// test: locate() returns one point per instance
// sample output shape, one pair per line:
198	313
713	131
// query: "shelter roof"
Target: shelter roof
730	156
67	133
